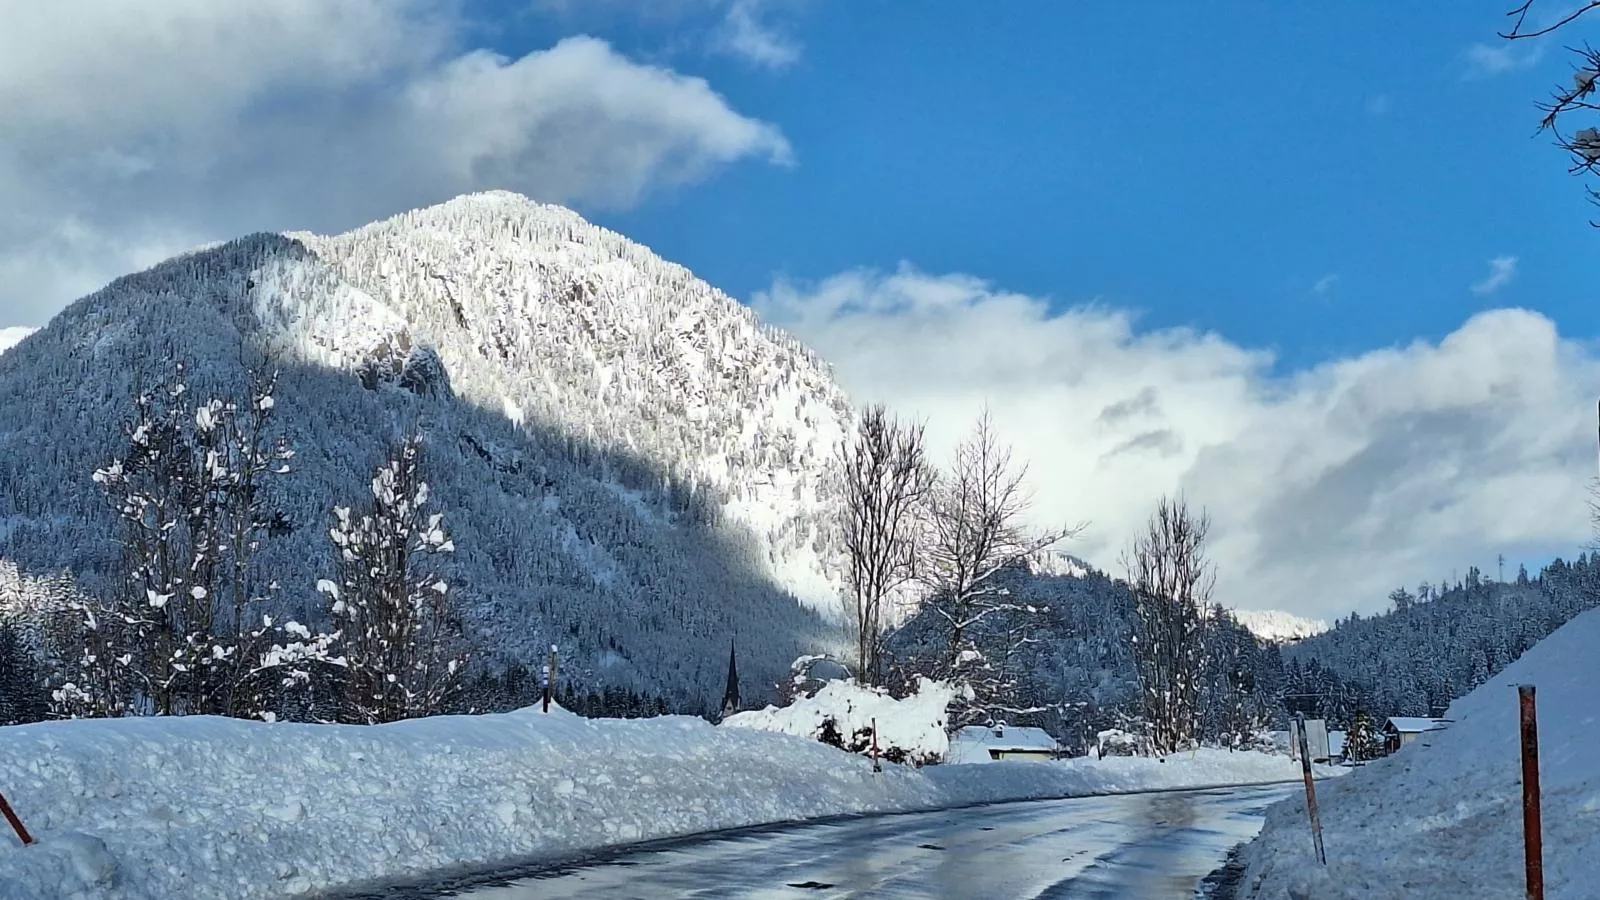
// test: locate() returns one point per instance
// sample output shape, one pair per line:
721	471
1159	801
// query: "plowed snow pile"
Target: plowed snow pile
1443	817
204	807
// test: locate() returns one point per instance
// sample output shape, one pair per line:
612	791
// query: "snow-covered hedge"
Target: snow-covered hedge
842	713
203	807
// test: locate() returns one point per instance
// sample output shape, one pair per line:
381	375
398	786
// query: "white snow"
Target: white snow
1442	818
12	335
914	725
204	807
973	743
1416	724
1278	627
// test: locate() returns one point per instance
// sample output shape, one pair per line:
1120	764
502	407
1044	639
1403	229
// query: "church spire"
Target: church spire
730	698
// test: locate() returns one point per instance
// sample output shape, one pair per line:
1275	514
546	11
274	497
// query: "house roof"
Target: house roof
1006	738
1415	724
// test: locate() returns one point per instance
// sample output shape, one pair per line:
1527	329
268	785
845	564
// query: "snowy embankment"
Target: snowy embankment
1443	817
205	807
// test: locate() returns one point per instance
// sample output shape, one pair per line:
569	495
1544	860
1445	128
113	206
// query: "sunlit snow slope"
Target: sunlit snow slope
1277	626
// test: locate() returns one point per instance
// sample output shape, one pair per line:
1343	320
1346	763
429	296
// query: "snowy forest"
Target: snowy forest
383	475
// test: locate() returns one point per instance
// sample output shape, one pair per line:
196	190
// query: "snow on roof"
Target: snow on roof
1416	724
1007	738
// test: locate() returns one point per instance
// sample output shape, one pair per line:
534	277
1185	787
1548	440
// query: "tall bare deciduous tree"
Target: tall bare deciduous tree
885	477
1171	580
974	531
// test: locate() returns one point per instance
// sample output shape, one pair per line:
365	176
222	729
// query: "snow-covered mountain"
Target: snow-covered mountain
631	464
1278	627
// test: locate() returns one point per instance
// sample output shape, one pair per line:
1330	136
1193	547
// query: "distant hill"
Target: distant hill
1437	643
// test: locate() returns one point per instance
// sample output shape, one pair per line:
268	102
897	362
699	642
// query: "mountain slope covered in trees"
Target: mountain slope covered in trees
633	468
1437	643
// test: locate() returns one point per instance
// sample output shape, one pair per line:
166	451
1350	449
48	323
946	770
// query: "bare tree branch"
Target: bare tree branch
1521	14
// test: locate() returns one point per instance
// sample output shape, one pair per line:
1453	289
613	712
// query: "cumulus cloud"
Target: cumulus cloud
1501	270
135	130
1328	487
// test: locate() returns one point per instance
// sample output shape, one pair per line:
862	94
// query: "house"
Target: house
1399	731
986	743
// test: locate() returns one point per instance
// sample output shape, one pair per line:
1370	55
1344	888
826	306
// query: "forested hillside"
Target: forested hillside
1437	643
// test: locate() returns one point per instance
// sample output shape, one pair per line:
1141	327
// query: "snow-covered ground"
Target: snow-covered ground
1442	818
205	807
911	729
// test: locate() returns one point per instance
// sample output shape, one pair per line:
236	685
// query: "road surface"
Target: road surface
1142	846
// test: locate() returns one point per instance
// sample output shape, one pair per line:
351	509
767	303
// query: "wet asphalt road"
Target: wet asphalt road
1143	846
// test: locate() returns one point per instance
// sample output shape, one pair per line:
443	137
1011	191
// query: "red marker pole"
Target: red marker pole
1532	835
16	823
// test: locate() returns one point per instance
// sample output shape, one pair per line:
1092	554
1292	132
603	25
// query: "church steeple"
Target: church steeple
730	698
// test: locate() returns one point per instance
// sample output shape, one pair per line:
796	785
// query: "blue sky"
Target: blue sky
1207	164
1307	264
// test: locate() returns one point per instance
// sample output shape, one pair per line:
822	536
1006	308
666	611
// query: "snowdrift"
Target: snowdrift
205	807
909	730
1443	817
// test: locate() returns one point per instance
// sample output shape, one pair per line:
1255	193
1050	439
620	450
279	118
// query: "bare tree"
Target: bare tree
1583	143
974	532
1172	582
885	477
403	648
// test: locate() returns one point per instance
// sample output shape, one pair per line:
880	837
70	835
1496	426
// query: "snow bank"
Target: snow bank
1443	818
205	807
909	730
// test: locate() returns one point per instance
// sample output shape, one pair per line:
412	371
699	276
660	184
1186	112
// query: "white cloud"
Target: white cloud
748	32
1501	270
1325	284
1329	487
132	128
1486	60
748	29
12	336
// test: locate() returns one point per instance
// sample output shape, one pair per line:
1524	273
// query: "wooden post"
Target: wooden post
16	823
876	766
550	678
1532	837
1311	788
